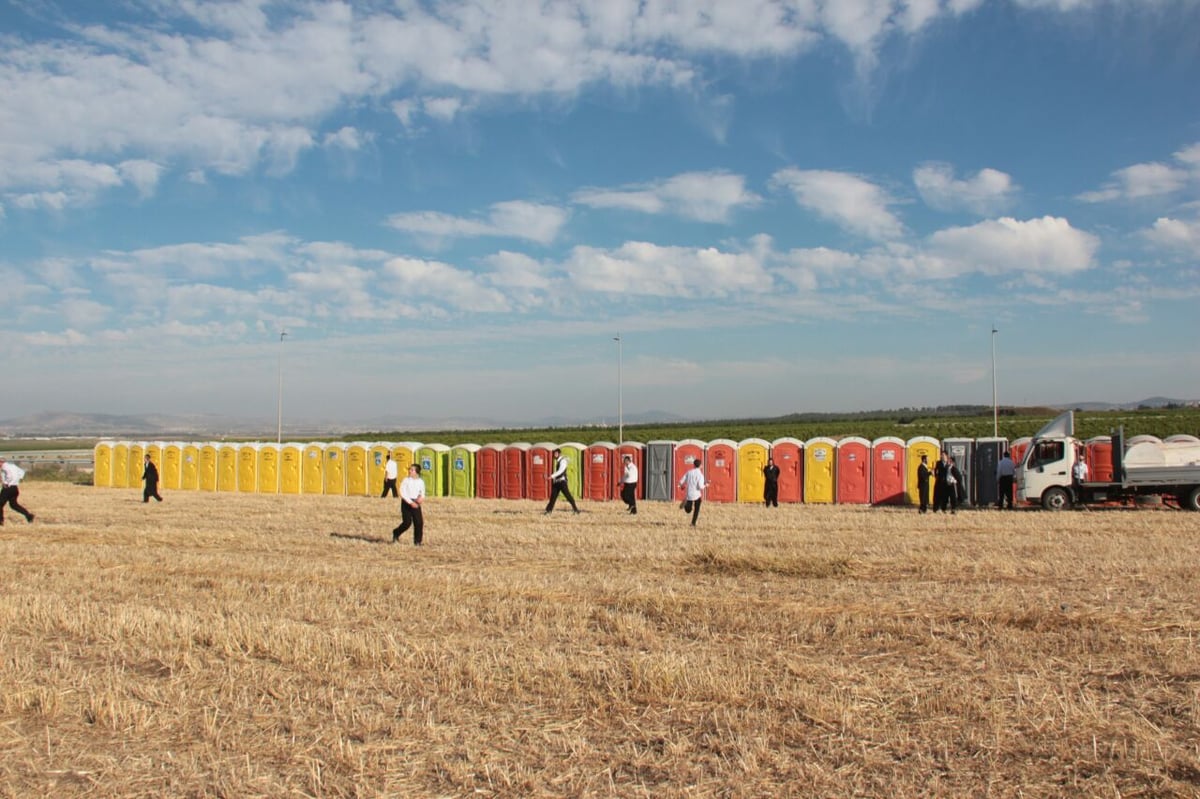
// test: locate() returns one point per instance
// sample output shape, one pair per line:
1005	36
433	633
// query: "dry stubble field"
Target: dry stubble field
248	645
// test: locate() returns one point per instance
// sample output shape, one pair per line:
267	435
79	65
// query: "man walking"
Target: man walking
771	484
412	495
693	485
390	473
629	481
150	476
558	482
10	479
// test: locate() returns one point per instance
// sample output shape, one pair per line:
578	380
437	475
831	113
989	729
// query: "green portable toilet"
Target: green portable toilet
435	462
575	453
462	470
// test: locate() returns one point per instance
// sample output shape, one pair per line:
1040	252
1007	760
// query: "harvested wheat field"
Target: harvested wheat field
249	645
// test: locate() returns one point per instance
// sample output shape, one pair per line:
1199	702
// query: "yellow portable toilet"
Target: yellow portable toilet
102	461
334	470
120	464
377	455
291	468
931	448
820	455
312	480
171	470
227	463
268	469
356	468
135	465
189	467
404	453
208	466
247	468
155	450
752	454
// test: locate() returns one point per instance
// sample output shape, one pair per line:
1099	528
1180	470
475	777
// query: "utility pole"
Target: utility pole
995	407
279	407
620	409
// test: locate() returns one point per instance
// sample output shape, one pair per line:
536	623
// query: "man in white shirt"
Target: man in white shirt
629	481
1079	475
10	478
1005	472
693	485
390	472
558	482
412	496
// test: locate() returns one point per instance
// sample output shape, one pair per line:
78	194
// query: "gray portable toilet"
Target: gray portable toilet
988	452
963	452
659	472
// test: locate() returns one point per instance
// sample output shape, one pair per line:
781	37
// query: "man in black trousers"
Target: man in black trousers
150	476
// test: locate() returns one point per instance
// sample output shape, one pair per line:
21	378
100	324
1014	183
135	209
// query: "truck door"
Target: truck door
1050	458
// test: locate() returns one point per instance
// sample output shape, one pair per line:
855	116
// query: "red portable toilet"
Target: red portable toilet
638	452
601	470
789	457
686	451
488	468
512	471
887	471
1099	459
853	473
720	470
539	464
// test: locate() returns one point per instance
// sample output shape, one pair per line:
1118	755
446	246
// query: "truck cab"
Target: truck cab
1045	473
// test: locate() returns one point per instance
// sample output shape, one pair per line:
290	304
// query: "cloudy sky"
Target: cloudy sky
452	208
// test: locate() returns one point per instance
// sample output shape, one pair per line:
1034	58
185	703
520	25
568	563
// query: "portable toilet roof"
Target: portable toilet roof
1181	438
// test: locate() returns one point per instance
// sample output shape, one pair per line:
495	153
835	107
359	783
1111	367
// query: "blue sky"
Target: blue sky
453	208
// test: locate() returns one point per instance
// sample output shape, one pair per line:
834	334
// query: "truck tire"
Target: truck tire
1190	500
1056	499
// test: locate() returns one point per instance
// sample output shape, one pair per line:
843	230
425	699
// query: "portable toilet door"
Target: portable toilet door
247	468
820	459
189	468
789	457
208	466
268	469
155	450
488	469
853	485
120	464
312	475
333	476
539	465
512	470
227	463
887	471
987	461
752	455
963	452
720	470
1100	459
377	456
172	465
687	452
574	451
462	470
435	468
601	471
356	469
404	454
636	451
291	469
102	461
931	448
660	470
135	465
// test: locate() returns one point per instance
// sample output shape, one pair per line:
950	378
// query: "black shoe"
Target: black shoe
576	511
634	511
29	518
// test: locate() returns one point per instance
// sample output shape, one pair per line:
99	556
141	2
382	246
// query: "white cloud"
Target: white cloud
850	201
512	219
644	268
1151	179
454	287
703	196
987	192
345	138
1046	246
141	174
1175	234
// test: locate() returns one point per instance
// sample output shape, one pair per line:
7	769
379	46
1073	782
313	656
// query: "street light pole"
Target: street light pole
279	407
995	407
620	410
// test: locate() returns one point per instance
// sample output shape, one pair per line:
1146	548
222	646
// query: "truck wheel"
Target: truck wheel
1056	499
1191	500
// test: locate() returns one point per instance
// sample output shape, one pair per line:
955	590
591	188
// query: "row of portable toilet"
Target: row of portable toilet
851	470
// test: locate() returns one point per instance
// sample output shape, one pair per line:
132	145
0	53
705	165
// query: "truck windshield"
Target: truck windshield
1045	452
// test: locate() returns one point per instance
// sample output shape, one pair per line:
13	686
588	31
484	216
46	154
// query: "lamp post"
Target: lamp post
620	410
279	407
995	407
